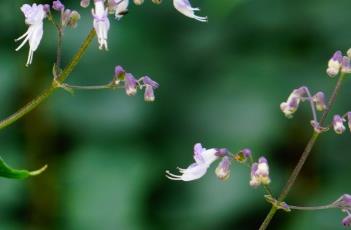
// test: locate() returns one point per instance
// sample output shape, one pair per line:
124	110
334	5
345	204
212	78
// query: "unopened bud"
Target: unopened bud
138	2
338	124
334	64
223	169
319	99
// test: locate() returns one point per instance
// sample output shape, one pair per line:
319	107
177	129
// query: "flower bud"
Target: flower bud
73	19
291	105
243	155
319	99
338	124
347	221
57	5
157	1
130	84
119	75
334	64
222	152
223	169
260	173
138	2
150	85
84	3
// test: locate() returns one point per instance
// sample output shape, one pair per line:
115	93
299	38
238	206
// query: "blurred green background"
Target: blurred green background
221	84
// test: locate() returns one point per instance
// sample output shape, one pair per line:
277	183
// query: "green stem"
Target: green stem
48	92
304	155
89	87
312	208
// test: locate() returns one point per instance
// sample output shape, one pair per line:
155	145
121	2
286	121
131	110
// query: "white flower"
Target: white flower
291	105
121	8
184	7
35	15
101	23
203	159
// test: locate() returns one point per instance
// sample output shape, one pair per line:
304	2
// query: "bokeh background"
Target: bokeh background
221	84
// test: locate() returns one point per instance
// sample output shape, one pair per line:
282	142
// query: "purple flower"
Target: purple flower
338	124
184	7
319	100
119	74
101	23
130	84
35	15
223	168
347	221
222	152
334	64
150	85
57	5
260	173
291	105
203	159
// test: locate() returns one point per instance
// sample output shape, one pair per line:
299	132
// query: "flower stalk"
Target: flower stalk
304	155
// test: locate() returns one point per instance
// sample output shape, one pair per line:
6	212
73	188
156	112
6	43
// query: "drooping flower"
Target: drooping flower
347	220
203	159
184	7
319	99
291	105
34	15
223	168
130	84
121	8
260	173
101	23
334	64
150	85
338	124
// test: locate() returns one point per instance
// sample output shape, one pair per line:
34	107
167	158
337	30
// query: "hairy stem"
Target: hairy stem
304	155
48	92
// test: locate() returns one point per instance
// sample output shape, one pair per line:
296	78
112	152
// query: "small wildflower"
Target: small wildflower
260	173
319	99
150	85
101	23
35	15
334	64
223	169
184	7
338	124
130	84
203	159
291	105
121	8
57	5
243	155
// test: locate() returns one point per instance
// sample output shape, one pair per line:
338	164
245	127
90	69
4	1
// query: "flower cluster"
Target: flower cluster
131	84
205	157
344	204
35	15
119	8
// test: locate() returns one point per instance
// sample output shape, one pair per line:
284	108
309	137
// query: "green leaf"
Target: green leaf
8	172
